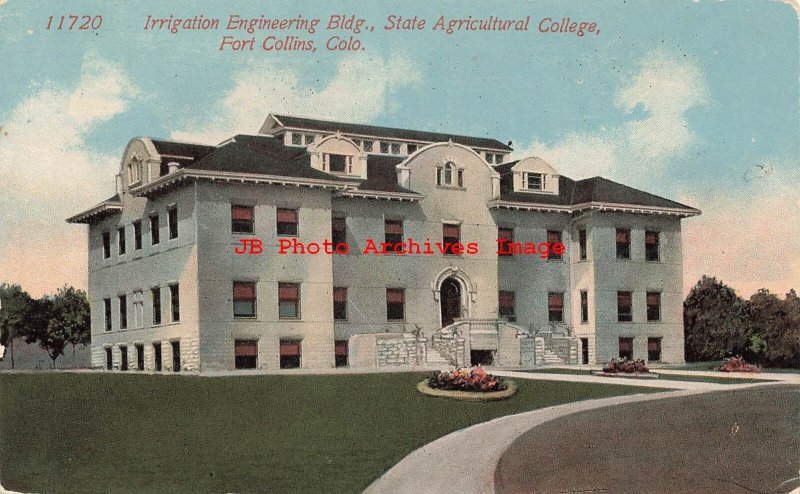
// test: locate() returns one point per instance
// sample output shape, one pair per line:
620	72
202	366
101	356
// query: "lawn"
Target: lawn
148	433
663	377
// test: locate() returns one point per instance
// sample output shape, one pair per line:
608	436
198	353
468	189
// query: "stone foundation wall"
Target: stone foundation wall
394	349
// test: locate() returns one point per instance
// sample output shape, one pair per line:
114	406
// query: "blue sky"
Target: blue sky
682	99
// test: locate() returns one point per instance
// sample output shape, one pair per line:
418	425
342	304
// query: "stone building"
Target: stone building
174	287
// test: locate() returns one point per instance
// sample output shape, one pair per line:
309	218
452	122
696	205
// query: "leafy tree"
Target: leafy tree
716	321
38	328
14	302
777	324
71	315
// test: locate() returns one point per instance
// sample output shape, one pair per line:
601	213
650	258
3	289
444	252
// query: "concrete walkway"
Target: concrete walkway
464	462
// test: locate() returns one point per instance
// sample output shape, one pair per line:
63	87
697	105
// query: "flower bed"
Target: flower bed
737	364
467	384
626	368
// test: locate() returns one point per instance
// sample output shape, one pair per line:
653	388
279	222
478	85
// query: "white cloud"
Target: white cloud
48	172
665	87
359	91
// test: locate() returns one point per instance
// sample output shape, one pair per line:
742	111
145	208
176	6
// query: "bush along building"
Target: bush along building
169	291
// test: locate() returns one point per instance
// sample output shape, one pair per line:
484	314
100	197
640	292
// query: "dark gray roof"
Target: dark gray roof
389	132
173	148
382	175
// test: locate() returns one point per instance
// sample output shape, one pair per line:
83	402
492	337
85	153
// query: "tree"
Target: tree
716	321
777	324
38	328
71	314
14	302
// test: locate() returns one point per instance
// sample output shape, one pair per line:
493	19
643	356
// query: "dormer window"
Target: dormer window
489	158
339	163
309	139
134	171
533	181
450	175
395	148
412	148
367	146
297	139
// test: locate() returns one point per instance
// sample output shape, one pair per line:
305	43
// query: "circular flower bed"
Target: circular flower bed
467	384
737	364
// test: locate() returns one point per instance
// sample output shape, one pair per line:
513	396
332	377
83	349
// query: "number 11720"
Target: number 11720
74	22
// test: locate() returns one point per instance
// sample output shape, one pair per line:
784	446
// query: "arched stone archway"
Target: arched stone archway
455	292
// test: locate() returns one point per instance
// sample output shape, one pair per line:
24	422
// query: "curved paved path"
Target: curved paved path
464	462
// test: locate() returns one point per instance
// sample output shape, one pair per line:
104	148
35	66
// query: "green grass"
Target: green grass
143	433
663	377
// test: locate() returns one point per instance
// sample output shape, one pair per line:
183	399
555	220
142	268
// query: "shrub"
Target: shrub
475	380
625	366
737	364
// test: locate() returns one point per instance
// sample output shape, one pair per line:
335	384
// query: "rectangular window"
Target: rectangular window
340	352
367	146
460	175
242	219
244	299
291	352
553	238
309	138
176	356
582	244
287	222
626	348
384	147
337	163
123	358
155	234
338	231
490	158
138	309
155	294
534	181
498	158
651	246
395	148
175	302
395	304
106	245
297	139
340	303
121	247
555	307
245	354
451	235
157	356
392	233
654	349
123	312
412	148
109	359
107	313
506	306
584	306
506	235
624	307
439	176
172	221
137	235
288	300
139	356
653	306
623	243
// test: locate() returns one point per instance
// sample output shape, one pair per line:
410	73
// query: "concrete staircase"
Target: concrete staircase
551	358
436	359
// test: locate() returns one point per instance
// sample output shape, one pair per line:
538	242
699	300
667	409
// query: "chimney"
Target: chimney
172	167
119	184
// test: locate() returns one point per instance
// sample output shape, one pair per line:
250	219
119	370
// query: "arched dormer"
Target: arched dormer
140	164
534	175
338	155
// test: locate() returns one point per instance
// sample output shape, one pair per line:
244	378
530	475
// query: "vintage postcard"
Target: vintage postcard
423	247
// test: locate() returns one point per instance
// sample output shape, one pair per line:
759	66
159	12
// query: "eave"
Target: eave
636	209
388	196
530	206
100	211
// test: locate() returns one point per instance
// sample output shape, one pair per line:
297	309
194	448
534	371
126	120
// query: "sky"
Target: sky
696	101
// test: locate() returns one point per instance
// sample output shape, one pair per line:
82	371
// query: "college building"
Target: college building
172	288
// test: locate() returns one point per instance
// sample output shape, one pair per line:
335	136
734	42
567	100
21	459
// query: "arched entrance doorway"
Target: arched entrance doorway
450	301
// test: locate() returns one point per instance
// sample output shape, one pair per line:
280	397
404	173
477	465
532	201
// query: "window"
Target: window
288	300
624	308
498	158
138	309
490	158
297	139
139	356
245	354
309	138
582	244
367	146
106	245
244	299
357	142
338	231
123	358
157	356
287	222
340	303
395	148
121	241
123	312
651	246
395	304
340	352
584	306
242	219
653	306
451	235
176	355
107	313
155	294
449	175
172	222
623	243
553	238
155	235
137	235
109	358
384	147
626	348
507	236
392	233
533	181
460	177
175	302
506	306
412	148
291	354
337	163
555	307
654	349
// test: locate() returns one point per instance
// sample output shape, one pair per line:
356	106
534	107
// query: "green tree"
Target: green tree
38	328
716	321
777	324
71	316
14	302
